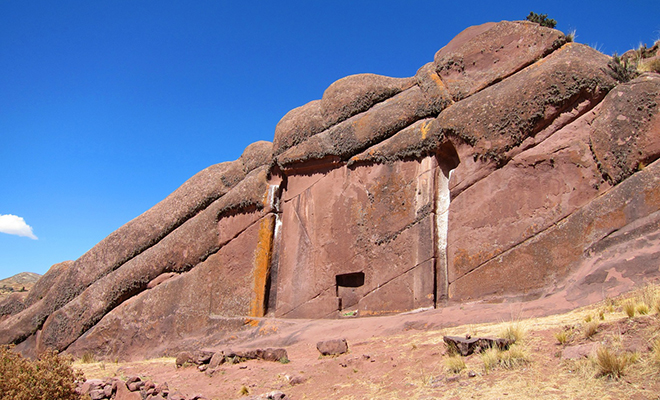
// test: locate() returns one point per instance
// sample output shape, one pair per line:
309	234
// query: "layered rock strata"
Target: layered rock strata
513	166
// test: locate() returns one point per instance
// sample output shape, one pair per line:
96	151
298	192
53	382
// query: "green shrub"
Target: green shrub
622	70
49	377
542	19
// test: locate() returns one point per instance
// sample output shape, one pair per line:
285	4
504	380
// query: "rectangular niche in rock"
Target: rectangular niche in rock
347	289
378	219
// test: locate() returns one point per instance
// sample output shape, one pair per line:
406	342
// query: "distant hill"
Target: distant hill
19	282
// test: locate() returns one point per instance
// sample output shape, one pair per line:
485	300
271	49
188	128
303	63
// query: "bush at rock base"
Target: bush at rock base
50	377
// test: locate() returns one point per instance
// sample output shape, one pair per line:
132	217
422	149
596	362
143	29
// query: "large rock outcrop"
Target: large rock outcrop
513	166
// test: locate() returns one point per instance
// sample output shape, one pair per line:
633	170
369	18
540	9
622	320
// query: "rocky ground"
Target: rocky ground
405	357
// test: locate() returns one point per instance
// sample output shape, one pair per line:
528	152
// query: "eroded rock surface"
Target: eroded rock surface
512	166
488	53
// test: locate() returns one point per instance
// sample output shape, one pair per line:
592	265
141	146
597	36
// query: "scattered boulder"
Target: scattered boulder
274	395
97	394
131	389
217	359
578	351
466	345
183	358
203	357
296	380
134	383
162	389
332	347
89	385
124	394
274	355
176	396
208	360
109	389
268	354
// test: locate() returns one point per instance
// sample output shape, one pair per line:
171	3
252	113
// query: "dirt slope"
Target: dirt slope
405	357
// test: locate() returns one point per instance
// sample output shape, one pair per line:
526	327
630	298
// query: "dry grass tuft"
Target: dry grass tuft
571	36
455	364
509	359
649	66
633	357
629	308
472	330
655	353
88	358
591	329
649	295
490	358
610	364
514	331
563	336
244	391
514	357
452	350
642	309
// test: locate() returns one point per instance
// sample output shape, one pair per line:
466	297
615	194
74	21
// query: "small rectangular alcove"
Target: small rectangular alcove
348	289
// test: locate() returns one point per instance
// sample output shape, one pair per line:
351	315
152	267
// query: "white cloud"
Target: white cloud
15	225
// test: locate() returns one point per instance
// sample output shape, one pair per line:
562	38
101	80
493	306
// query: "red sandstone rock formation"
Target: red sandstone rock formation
513	166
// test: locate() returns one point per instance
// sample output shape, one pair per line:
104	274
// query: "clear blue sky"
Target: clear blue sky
106	107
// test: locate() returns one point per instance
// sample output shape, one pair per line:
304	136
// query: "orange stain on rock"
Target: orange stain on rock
262	259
